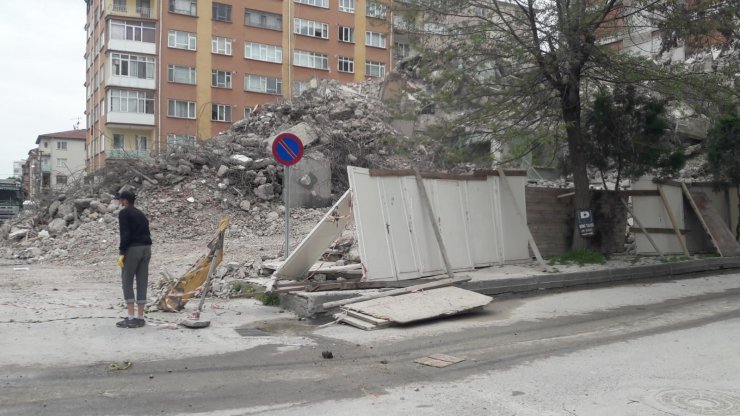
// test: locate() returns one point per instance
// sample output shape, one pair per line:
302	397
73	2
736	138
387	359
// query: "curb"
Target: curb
626	274
310	304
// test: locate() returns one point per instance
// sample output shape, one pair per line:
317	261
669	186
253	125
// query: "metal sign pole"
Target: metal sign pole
286	189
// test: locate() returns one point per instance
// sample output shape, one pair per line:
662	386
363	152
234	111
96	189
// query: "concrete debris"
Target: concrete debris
183	189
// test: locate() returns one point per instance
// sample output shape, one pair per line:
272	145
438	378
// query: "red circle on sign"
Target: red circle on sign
287	149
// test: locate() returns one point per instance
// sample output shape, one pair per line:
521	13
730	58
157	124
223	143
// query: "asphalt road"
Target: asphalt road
670	348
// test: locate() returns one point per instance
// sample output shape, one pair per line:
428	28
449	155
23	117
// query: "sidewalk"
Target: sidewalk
529	277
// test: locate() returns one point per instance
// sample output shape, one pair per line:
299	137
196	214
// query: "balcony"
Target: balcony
139	119
127	154
139	11
45	167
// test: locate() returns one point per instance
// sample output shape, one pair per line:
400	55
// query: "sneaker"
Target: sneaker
126	323
137	323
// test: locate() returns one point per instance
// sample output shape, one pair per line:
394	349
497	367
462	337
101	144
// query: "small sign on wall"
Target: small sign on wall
585	219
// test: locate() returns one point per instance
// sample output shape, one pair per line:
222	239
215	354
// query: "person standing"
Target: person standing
134	254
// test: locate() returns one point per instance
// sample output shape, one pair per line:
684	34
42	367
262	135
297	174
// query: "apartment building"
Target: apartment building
167	72
58	161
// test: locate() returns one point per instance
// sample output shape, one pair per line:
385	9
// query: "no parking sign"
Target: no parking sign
287	149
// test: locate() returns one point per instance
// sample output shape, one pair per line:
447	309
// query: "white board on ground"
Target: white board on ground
421	305
316	242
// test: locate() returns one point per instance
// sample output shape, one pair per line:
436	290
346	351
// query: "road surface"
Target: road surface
668	348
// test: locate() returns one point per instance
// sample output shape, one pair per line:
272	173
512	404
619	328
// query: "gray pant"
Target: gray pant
136	265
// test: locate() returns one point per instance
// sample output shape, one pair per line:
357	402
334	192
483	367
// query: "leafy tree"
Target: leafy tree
522	68
723	153
626	133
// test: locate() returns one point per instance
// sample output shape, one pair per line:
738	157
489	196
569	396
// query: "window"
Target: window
141	143
181	109
221	46
374	69
346	34
46	144
264	20
403	50
310	59
180	140
377	10
134	31
61	145
130	101
261	52
375	39
222	12
61	180
266	85
247	112
181	40
311	28
61	162
181	74
220	79
221	112
119	6
144	8
133	66
347	6
189	7
118	141
346	64
317	3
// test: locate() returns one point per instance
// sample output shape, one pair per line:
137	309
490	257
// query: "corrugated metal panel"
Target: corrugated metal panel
396	239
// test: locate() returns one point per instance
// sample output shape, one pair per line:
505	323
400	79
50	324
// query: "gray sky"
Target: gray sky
42	44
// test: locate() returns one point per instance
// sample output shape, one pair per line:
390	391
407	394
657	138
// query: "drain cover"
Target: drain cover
251	332
699	402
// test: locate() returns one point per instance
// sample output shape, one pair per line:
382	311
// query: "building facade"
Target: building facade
166	72
18	168
59	161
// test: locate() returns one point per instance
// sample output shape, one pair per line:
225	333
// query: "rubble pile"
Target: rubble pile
188	189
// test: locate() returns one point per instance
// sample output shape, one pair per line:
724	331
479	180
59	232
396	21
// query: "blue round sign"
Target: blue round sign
287	149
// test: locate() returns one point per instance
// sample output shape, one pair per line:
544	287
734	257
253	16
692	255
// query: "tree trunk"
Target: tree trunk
571	107
737	226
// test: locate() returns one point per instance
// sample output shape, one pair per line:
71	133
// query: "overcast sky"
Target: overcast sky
42	44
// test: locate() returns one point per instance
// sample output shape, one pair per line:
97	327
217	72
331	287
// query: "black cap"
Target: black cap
127	195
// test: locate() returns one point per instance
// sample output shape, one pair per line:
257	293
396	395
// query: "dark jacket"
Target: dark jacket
134	229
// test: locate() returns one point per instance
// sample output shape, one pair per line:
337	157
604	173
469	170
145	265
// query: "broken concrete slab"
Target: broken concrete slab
422	305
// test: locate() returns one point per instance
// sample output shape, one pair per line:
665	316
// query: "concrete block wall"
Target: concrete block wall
550	220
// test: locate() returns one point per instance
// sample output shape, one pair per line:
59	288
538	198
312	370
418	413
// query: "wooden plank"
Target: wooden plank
644	230
674	222
320	287
378	322
358	323
422	305
725	239
699	215
477	175
437	234
396	292
640	192
438	360
522	220
656	230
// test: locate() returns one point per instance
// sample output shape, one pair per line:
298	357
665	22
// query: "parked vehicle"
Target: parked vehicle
10	199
